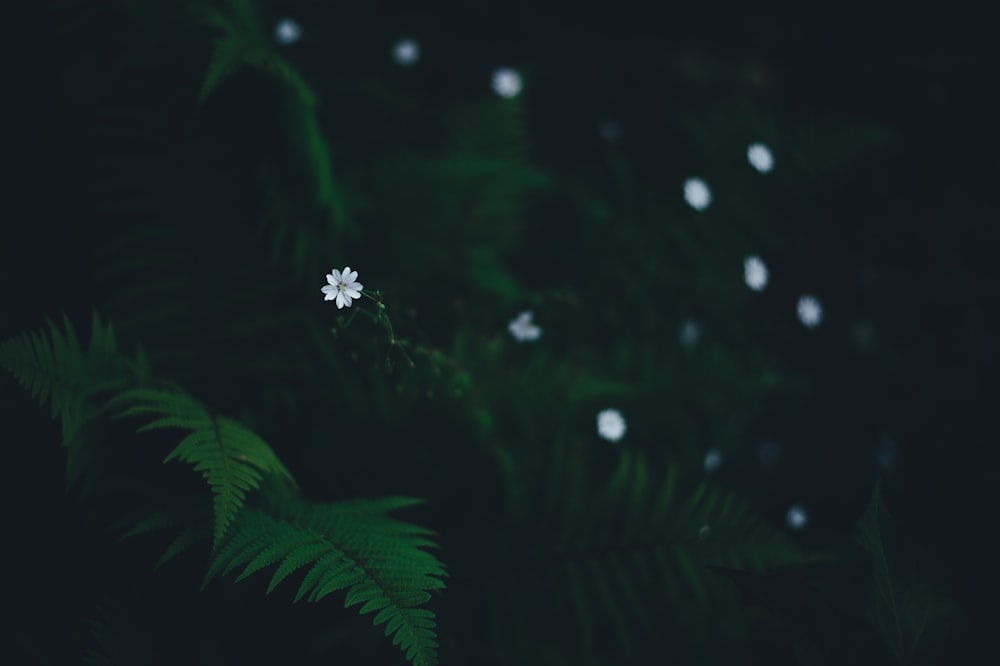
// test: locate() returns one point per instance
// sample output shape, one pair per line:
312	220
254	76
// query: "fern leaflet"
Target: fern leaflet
229	455
613	563
354	546
53	366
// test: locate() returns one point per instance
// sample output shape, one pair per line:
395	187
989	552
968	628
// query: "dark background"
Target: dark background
929	273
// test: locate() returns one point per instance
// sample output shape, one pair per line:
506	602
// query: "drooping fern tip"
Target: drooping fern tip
383	564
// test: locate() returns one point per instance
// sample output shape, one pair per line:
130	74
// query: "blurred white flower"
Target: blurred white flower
863	333
755	273
406	52
768	453
523	329
610	131
507	82
797	517
611	425
343	287
713	460
810	311
689	333
287	31
886	452
697	194
760	157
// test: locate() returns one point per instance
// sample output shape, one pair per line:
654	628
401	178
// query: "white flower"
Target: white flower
797	517
406	52
713	460
611	425
810	311
523	329
507	82
689	333
760	157
755	273
287	31
697	194
343	287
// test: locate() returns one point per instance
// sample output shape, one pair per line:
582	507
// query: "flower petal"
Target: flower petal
349	275
353	293
335	274
340	300
347	298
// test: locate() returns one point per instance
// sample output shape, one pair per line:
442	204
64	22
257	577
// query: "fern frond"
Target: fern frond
230	456
614	563
244	43
189	521
120	639
53	367
381	562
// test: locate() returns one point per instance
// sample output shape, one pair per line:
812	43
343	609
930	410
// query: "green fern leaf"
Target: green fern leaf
245	43
53	367
615	564
231	457
382	563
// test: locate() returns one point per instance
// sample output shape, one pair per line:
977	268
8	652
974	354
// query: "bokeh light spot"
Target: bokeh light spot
863	335
689	334
507	82
287	31
810	311
611	425
523	329
696	193
610	131
713	460
755	273
406	52
760	157
797	517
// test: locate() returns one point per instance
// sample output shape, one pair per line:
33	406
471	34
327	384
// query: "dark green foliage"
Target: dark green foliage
610	566
213	208
245	43
906	603
53	366
190	523
121	640
816	624
353	546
